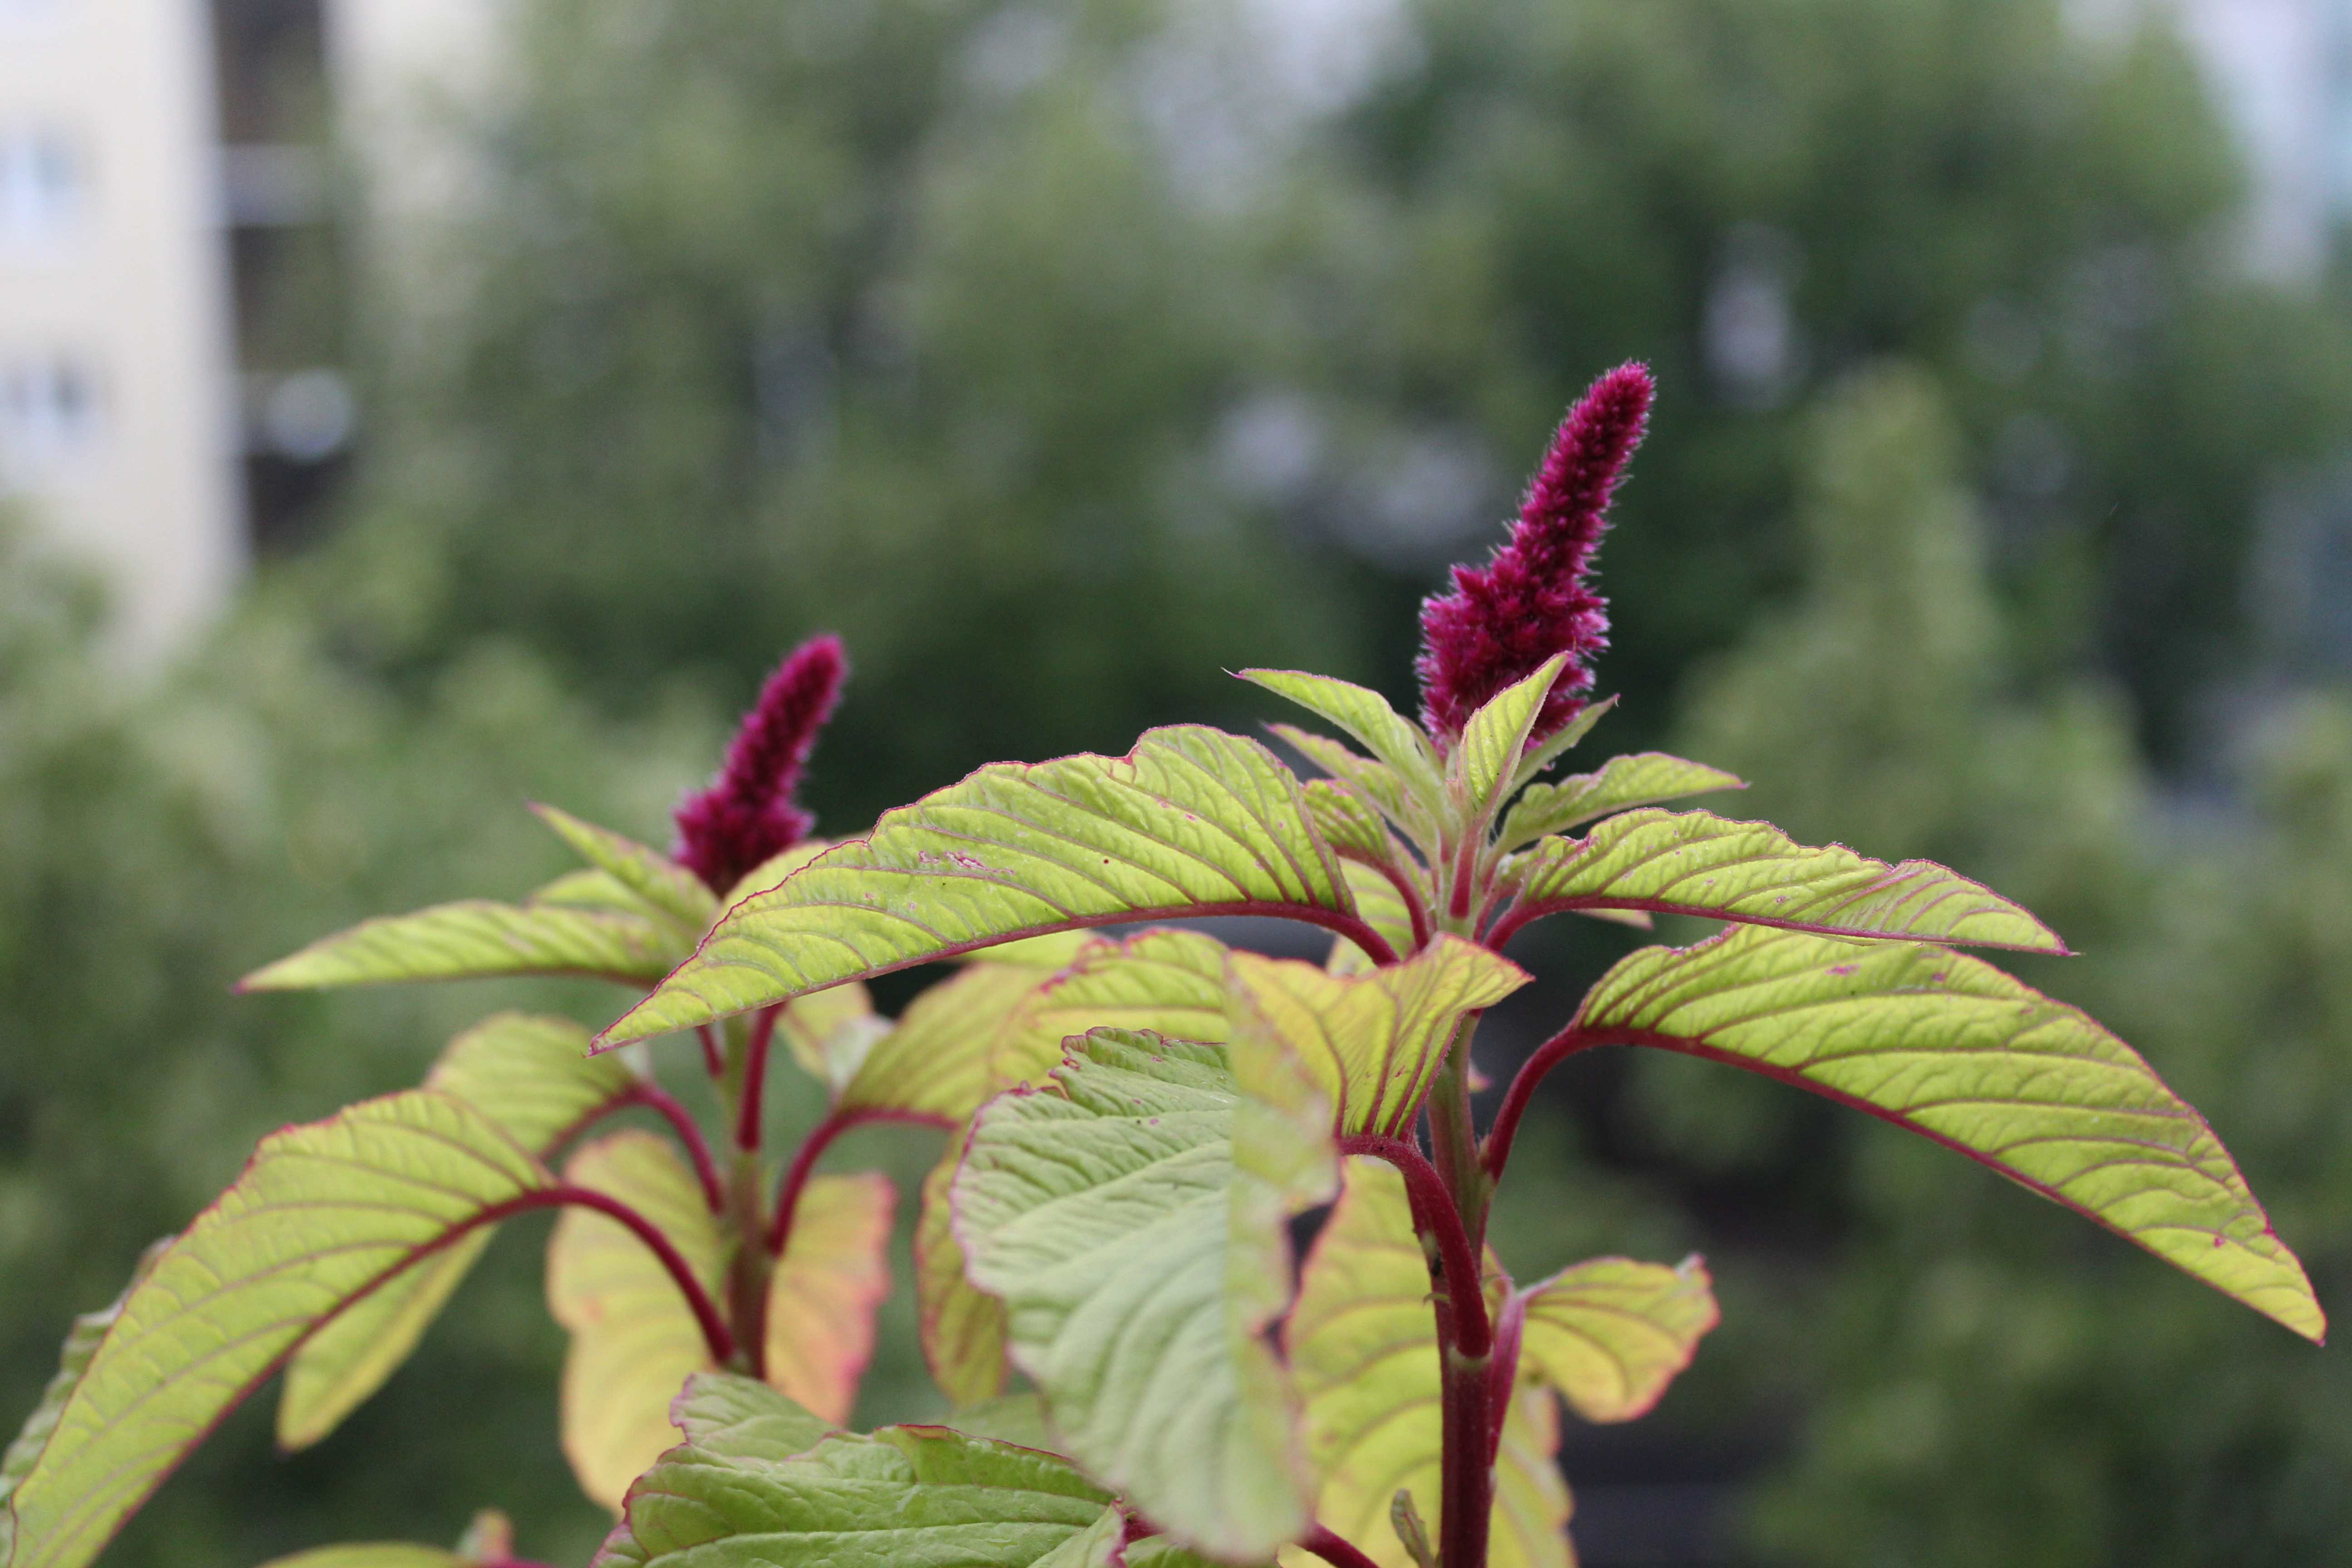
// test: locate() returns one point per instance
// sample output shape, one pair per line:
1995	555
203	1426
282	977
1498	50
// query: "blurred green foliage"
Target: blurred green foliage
945	324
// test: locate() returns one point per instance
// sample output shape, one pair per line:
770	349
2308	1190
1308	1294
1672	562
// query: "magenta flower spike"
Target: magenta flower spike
1532	599
747	814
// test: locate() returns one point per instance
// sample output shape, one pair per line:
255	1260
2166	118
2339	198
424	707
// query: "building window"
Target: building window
42	187
49	411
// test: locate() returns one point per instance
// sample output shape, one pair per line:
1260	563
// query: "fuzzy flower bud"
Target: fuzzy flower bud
747	814
1532	599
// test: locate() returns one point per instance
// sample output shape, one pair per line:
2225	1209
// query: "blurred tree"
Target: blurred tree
1984	1386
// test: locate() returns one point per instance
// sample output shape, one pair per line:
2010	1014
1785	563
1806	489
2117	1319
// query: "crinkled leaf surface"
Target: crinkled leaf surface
1485	759
907	1497
1638	778
836	1271
1362	1343
322	1214
475	938
741	1417
961	1327
656	879
1351	827
1383	909
633	1339
1365	714
530	1075
1100	1212
1695	863
1372	1044
1194	821
940	1059
1171	983
1952	1047
1610	1334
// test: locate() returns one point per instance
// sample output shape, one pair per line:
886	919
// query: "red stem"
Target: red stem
755	1079
1464	863
654	1098
1502	1371
1467	1470
1497	1152
714	1061
1433	1213
804	1166
1335	1550
1422	929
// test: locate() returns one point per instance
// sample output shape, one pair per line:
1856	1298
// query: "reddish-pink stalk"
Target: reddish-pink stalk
1466	1470
1496	1151
804	1166
1502	1369
1434	1214
656	1098
755	1079
714	1060
1335	1550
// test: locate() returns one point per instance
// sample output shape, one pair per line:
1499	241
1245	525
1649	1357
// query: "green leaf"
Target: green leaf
771	871
1102	1213
833	1274
829	1032
1951	1047
1695	863
1381	906
656	879
477	937
1363	1343
1486	760
1370	1044
1192	822
1009	1418
1351	827
1366	715
371	1554
906	1495
633	1339
1542	754
1639	778
742	1417
1611	1334
1057	950
533	1078
940	1059
590	888
962	1327
1376	783
1170	983
323	1214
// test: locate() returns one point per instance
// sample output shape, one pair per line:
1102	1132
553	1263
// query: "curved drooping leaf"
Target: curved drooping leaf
373	1555
1365	714
531	1076
1486	760
742	1417
906	1495
1695	863
1370	1044
633	1339
830	1031
1951	1047
1191	821
1621	783
1351	827
1101	1212
591	888
1376	784
1170	983
1362	1343
1611	1334
656	879
962	1327
476	938
322	1214
768	873
835	1272
939	1061
1383	908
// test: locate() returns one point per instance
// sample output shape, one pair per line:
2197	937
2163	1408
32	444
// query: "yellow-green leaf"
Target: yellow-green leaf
1348	826
371	1554
1695	863
633	1339
1101	1213
939	1060
656	879
1611	1334
1171	983
322	1214
1191	821
744	1418
768	873
961	1327
1362	1343
1638	778
476	938
590	888
829	1032
1377	783
1370	1044
1951	1047
1383	908
1486	760
836	1271
1364	714
532	1077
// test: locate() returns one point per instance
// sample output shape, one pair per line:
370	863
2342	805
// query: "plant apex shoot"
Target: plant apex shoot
1532	600
748	814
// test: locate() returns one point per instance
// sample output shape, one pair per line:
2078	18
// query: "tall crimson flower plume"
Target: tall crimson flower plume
1531	600
747	814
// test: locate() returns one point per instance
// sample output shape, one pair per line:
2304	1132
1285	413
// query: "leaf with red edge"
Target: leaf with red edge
833	1274
1191	821
1949	1046
1621	783
961	1326
1171	982
1610	1334
476	938
1695	863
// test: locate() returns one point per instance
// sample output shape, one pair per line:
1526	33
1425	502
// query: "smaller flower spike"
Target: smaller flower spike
1531	601
747	814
